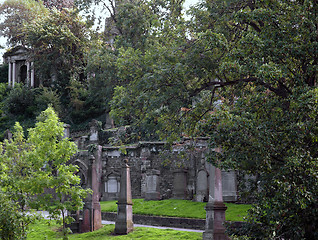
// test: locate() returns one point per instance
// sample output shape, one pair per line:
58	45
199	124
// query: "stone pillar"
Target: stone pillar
124	221
180	184
215	208
97	212
10	74
152	185
92	218
32	75
28	74
13	73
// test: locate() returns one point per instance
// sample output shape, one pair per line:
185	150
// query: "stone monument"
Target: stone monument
215	208
152	185
92	219
124	221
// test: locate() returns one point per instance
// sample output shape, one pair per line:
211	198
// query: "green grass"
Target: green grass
41	231
178	208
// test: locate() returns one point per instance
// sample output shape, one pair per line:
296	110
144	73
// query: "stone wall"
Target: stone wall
157	172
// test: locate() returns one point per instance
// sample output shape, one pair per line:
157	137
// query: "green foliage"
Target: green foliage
14	14
46	97
59	41
244	74
26	102
20	101
11	219
284	143
35	172
4	73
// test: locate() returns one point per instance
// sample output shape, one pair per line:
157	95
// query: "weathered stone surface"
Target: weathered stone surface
215	208
180	184
229	184
202	186
173	181
152	185
124	223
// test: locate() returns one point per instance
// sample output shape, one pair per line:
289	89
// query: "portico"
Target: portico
21	69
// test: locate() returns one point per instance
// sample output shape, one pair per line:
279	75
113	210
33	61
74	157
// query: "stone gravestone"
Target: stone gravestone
229	185
152	185
180	184
124	221
111	186
202	186
94	127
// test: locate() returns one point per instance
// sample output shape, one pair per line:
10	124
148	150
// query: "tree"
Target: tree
35	172
14	14
243	73
59	42
59	4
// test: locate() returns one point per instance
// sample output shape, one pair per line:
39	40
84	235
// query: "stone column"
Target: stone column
215	208
10	74
96	221
124	221
28	74
92	219
32	75
13	73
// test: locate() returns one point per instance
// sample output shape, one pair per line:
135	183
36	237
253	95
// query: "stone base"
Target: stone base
152	196
230	198
124	223
207	235
97	217
215	219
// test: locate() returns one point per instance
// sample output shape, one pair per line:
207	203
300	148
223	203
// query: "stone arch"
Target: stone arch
82	171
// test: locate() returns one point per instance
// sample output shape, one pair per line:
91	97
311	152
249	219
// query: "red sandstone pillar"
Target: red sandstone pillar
215	209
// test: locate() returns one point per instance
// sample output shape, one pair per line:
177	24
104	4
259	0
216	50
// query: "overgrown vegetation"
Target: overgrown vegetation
243	73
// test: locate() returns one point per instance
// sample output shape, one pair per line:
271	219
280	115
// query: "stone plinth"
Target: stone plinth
124	221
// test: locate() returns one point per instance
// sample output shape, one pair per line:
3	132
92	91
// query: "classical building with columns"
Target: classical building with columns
21	69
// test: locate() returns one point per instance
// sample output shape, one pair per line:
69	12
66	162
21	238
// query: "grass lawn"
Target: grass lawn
178	208
41	231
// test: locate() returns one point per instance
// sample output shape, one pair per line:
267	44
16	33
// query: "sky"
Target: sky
3	40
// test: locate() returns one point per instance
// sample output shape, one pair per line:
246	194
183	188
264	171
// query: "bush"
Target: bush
20	101
45	97
11	226
3	73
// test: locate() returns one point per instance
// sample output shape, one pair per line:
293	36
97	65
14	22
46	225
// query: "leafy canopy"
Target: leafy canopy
35	172
243	73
